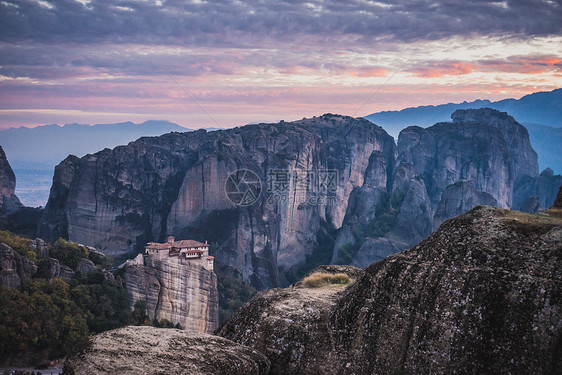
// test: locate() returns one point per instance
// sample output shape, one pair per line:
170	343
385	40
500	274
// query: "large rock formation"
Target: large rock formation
148	350
14	217
544	187
290	325
482	158
327	189
117	200
9	202
175	289
480	295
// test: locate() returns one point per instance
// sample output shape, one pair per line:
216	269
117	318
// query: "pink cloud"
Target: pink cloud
440	69
369	72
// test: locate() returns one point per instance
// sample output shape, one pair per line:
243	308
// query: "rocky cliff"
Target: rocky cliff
480	295
175	289
15	270
148	350
117	200
9	202
327	189
482	158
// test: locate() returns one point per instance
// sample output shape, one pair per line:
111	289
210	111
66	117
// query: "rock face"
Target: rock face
558	201
290	325
148	350
459	198
15	270
175	289
482	158
331	189
480	295
532	205
86	267
9	202
117	200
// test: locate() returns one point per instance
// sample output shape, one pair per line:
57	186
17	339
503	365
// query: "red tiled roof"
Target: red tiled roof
188	243
158	246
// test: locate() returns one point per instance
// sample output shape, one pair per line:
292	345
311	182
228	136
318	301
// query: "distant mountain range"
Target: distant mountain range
45	146
540	113
33	153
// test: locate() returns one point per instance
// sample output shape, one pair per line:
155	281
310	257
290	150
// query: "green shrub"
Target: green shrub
19	245
68	253
233	294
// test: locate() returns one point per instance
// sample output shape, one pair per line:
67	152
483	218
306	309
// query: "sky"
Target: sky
227	63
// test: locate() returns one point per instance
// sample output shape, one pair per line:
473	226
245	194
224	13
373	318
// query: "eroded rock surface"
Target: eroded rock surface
149	350
15	270
480	295
334	189
9	202
175	289
459	198
117	200
290	325
483	157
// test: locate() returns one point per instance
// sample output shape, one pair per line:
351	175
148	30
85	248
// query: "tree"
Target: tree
139	312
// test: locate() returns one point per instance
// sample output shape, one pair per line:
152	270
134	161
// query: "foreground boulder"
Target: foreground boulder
483	294
290	325
149	350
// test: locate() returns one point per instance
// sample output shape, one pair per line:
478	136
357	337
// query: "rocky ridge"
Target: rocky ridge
16	271
482	158
117	200
480	295
148	350
384	197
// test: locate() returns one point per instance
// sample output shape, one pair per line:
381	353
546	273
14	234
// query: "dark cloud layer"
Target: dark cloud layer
244	23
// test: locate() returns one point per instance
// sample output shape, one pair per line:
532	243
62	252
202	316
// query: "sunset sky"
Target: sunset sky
106	61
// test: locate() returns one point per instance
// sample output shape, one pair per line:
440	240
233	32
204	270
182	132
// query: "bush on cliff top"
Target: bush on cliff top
319	279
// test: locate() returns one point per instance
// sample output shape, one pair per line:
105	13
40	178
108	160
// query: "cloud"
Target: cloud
258	22
531	64
436	69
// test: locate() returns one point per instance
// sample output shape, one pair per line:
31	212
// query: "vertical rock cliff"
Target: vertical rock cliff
118	200
175	289
483	157
9	202
328	189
